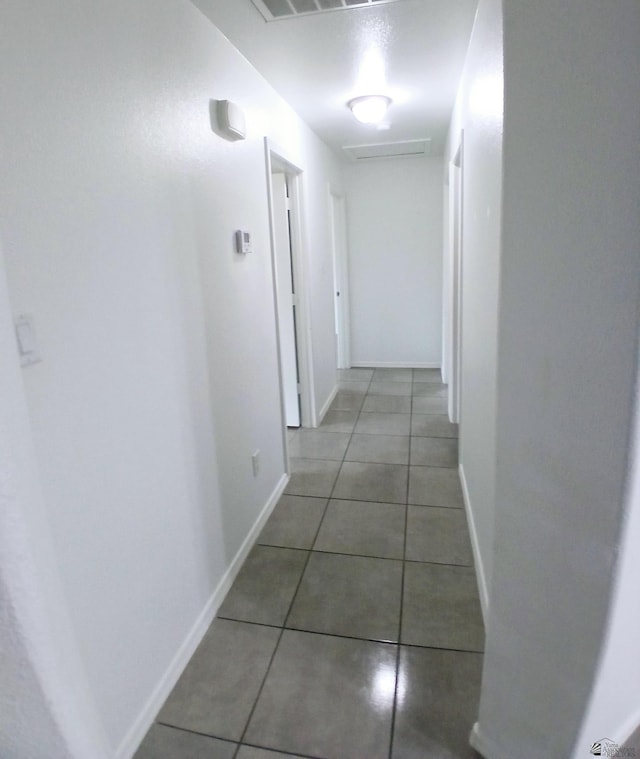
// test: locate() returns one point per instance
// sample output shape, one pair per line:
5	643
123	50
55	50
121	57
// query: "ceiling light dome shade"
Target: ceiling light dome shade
370	109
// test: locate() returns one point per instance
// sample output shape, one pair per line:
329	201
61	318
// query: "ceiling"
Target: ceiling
411	50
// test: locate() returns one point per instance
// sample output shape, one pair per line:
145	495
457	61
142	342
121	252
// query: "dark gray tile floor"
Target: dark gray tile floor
353	630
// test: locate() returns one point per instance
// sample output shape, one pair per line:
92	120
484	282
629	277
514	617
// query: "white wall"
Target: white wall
614	707
568	310
394	227
478	112
159	374
46	707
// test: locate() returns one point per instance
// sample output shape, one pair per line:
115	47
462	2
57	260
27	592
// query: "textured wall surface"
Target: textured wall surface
479	115
568	309
159	376
394	221
46	706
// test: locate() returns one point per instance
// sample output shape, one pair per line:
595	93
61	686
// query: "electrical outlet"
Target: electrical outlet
255	462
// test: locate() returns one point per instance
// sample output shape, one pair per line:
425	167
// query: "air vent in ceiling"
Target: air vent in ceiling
389	149
274	10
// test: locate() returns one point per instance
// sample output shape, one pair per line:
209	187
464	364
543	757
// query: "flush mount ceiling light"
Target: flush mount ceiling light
370	109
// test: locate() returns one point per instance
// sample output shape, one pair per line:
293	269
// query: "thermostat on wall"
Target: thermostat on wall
231	120
243	242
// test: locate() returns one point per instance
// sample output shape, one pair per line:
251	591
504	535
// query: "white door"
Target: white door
285	293
340	280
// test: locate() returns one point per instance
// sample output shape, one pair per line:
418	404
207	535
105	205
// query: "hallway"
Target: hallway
354	629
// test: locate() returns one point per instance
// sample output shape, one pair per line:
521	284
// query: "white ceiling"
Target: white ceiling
411	50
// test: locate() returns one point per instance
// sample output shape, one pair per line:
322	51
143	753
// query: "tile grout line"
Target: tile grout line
399	643
260	689
341	636
194	732
280	751
282	631
395	690
402	581
364	555
342	460
293	598
237	745
312	550
405	561
368	500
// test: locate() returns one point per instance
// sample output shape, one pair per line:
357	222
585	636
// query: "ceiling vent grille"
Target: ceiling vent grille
274	10
389	149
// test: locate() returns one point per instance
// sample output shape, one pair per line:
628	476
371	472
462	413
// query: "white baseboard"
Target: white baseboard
475	545
395	365
144	720
326	405
485	746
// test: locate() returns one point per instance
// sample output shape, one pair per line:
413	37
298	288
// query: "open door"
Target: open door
340	279
285	197
286	298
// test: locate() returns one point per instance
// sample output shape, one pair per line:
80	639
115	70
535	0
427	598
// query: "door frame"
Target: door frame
456	243
277	161
340	258
286	293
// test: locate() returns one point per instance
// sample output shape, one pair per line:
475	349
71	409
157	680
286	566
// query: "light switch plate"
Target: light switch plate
26	339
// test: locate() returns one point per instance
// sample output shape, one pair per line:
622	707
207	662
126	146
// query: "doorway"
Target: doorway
284	195
340	278
286	296
456	183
